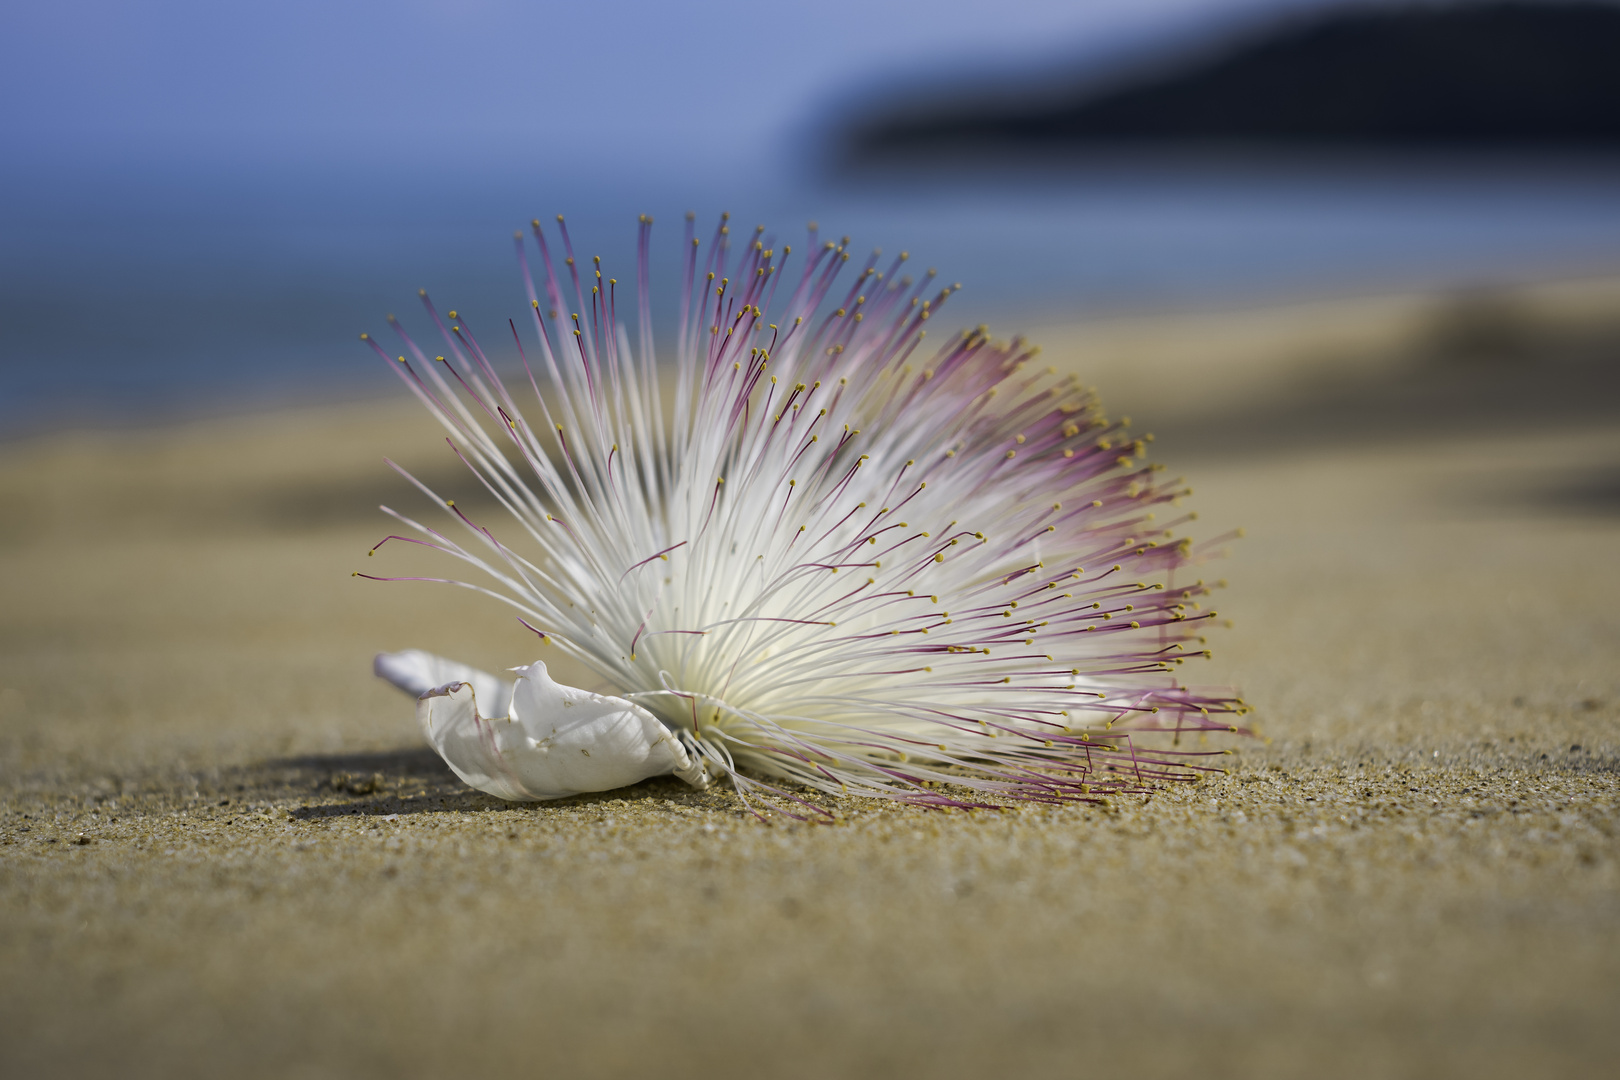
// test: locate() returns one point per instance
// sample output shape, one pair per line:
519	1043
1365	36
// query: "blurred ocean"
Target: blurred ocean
140	297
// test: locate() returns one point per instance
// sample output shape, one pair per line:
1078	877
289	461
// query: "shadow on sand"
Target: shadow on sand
416	781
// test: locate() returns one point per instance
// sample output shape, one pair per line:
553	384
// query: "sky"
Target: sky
452	83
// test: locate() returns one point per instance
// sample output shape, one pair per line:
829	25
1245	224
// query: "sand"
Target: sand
223	851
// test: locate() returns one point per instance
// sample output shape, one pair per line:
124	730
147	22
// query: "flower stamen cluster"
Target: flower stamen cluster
823	550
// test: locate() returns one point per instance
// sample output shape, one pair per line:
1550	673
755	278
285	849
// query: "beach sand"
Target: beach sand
224	852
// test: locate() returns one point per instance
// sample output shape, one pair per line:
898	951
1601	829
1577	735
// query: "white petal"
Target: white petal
555	741
416	672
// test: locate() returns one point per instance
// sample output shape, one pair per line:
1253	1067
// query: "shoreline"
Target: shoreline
1175	362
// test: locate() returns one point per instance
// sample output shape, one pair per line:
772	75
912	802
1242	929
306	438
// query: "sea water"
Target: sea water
165	291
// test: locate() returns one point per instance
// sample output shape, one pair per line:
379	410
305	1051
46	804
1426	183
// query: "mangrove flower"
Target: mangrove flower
821	550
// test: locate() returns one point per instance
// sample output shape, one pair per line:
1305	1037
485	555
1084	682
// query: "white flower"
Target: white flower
812	550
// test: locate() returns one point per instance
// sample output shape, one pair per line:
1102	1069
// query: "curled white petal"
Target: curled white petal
552	741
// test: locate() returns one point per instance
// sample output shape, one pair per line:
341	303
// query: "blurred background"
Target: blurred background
201	204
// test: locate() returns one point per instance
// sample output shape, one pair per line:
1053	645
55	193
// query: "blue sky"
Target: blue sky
626	82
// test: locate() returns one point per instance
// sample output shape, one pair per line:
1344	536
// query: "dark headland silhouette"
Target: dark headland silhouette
1483	76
